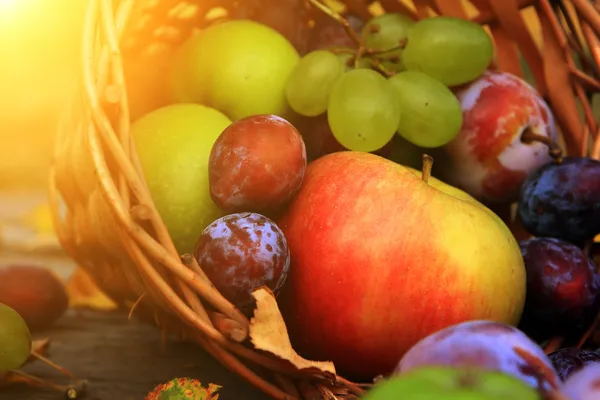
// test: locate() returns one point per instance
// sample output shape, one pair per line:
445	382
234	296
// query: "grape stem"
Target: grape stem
427	166
373	52
52	364
554	150
71	391
361	50
377	65
339	19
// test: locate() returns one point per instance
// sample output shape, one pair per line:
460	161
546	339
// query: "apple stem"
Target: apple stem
554	149
427	166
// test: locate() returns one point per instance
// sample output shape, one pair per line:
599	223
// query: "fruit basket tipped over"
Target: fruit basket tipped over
256	176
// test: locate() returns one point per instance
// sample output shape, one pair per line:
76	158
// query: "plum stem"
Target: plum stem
554	150
427	166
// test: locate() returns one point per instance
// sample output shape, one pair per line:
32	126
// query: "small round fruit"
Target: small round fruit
386	32
452	50
450	383
491	157
242	252
35	292
484	344
563	288
173	144
560	200
239	67
363	110
433	116
15	339
309	85
256	164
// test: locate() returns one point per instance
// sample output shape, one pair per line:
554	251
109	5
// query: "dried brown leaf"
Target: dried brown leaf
84	293
269	333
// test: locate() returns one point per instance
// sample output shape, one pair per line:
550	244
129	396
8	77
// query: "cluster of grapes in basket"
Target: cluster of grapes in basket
392	83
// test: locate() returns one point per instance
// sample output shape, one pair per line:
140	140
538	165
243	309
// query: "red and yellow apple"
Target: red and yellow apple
490	157
381	258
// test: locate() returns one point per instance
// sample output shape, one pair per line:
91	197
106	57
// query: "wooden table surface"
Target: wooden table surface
121	359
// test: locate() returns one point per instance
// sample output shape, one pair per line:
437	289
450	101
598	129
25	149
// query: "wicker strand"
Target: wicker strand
106	133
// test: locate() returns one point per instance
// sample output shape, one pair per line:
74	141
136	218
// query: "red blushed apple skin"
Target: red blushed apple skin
489	161
335	223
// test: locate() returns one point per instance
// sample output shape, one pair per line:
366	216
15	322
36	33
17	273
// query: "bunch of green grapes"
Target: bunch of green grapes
15	339
398	80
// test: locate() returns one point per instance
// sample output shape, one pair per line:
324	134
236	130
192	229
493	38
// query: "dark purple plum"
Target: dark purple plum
572	359
563	288
562	200
242	252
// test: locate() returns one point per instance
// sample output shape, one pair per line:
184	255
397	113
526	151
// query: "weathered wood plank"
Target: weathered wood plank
124	360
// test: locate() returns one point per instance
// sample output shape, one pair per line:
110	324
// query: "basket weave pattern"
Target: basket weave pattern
105	217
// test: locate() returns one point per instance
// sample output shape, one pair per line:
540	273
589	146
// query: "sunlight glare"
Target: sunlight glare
6	5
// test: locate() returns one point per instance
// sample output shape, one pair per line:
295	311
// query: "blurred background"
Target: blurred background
39	69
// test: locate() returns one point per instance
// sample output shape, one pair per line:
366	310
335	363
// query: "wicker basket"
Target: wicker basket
104	214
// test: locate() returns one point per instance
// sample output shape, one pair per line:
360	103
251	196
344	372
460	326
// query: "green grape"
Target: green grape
452	50
432	113
363	110
309	84
15	339
385	32
347	57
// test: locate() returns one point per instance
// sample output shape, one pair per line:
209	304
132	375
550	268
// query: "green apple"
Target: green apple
239	67
174	144
448	383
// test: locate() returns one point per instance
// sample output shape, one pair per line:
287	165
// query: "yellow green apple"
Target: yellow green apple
173	144
382	257
239	67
